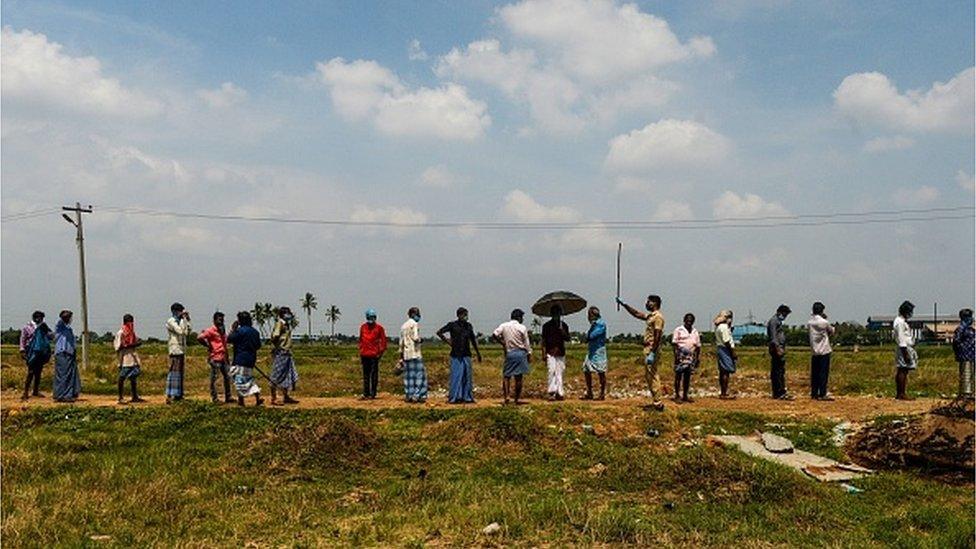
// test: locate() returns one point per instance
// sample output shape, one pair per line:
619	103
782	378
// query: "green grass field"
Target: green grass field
334	371
199	475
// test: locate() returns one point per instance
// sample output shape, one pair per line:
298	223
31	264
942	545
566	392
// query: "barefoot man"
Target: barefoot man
653	334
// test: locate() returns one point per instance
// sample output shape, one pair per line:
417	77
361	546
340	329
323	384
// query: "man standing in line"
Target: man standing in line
776	336
725	352
906	359
372	345
414	373
246	342
35	349
653	334
515	341
178	327
126	342
215	339
67	381
283	373
462	338
964	345
686	343
820	331
555	334
596	354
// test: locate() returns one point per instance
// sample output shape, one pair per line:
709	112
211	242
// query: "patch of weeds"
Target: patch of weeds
328	444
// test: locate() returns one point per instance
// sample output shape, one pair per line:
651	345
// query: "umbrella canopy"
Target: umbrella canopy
568	301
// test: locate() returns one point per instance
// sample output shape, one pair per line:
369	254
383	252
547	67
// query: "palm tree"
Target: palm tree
257	314
308	303
332	314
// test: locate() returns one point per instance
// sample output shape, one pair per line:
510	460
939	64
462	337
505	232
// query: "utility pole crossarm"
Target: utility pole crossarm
80	239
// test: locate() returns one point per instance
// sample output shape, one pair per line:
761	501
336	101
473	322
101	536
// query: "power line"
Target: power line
771	221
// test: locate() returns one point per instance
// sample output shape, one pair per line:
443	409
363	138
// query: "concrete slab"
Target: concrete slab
814	466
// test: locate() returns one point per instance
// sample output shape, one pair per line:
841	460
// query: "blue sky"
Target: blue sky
538	110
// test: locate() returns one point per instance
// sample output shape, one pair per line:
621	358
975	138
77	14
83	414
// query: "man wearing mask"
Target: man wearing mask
178	327
283	373
596	354
462	338
35	349
653	335
776	335
214	339
414	373
906	359
820	331
67	381
964	345
372	345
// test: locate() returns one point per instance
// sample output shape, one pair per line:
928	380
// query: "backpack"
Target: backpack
39	351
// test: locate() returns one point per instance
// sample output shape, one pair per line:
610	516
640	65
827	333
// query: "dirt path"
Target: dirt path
850	408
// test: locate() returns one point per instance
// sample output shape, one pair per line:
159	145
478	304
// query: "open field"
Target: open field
335	471
327	371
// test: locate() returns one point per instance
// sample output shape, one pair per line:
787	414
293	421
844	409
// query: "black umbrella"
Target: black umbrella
567	301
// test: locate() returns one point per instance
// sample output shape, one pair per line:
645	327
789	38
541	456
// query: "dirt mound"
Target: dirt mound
941	439
325	444
487	428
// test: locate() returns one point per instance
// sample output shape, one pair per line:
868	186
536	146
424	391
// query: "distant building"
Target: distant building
751	328
922	329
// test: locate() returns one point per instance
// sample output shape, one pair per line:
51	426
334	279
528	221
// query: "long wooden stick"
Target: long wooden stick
620	245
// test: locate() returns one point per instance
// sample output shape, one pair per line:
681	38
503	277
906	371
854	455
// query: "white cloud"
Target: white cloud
666	143
871	98
966	181
576	62
671	210
597	40
364	89
630	184
227	95
439	177
750	263
732	205
916	196
391	214
415	52
521	206
894	143
36	71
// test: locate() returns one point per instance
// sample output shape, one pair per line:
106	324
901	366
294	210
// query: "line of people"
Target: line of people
239	370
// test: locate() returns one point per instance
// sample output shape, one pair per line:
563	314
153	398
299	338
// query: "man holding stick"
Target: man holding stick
653	335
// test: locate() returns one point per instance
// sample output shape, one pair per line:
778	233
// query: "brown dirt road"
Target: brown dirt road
849	408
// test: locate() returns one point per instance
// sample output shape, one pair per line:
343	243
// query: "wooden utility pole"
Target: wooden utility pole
80	239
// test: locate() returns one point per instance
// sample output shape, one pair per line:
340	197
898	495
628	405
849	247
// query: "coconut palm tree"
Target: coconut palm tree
308	303
332	314
257	314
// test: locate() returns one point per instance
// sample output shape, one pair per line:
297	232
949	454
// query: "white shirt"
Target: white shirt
902	332
820	331
128	356
514	335
178	330
410	340
723	335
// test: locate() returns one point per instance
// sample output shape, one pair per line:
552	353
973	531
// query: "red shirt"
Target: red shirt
372	340
217	341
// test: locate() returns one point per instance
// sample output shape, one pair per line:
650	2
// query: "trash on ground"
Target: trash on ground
491	529
851	489
776	443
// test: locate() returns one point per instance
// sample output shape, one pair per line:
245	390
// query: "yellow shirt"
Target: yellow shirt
653	331
281	336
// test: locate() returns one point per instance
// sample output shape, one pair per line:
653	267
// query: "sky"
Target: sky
533	111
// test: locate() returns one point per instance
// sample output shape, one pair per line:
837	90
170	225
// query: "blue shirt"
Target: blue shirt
596	337
964	343
65	338
246	342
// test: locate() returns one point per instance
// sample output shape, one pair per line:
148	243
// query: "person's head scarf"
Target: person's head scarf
723	317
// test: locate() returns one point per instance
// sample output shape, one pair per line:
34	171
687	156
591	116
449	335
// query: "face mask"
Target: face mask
967	322
416	318
370	321
287	318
